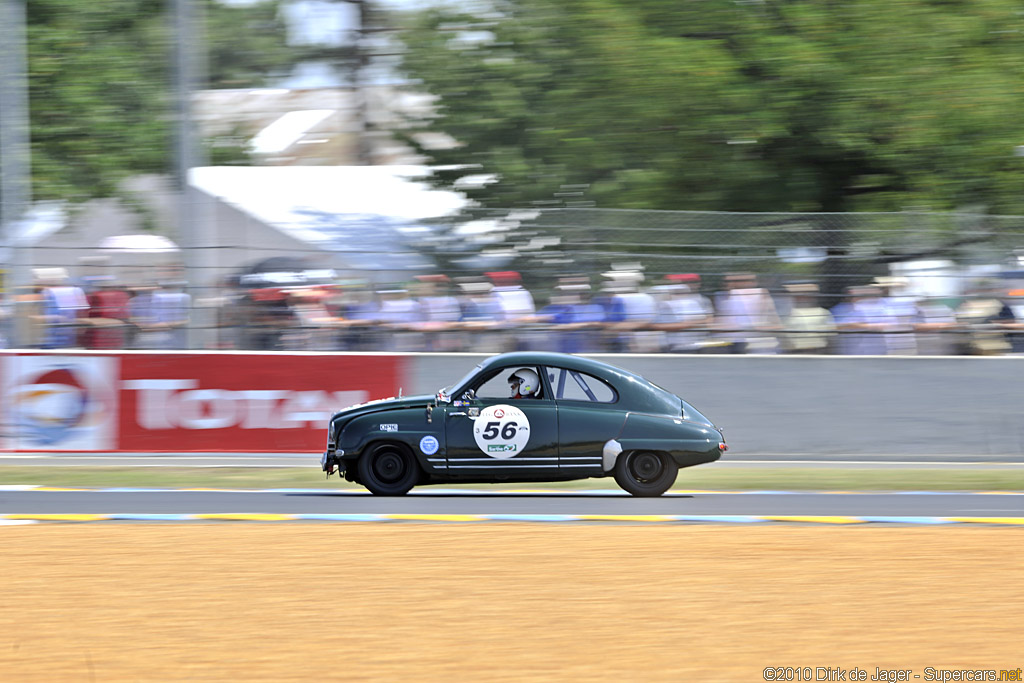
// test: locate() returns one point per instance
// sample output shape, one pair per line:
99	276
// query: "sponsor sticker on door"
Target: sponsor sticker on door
429	445
501	431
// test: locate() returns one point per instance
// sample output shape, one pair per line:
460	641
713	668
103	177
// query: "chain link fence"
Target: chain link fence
834	250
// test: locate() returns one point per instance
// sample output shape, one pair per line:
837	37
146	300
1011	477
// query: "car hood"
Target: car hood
420	401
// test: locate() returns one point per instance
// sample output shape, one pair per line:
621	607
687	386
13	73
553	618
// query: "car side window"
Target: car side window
498	385
572	385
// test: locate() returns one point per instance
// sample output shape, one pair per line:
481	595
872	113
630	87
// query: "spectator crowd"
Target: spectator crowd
617	312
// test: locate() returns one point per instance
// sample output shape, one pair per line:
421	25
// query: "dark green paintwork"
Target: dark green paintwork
568	438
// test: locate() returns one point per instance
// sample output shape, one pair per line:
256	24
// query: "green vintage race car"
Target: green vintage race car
524	417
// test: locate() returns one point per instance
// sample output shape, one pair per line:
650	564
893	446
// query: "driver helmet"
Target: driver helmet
524	382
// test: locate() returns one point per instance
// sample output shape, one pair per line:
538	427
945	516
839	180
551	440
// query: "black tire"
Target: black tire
645	473
388	470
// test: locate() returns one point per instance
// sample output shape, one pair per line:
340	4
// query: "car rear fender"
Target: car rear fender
688	443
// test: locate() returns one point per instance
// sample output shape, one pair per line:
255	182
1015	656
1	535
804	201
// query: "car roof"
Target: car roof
563	360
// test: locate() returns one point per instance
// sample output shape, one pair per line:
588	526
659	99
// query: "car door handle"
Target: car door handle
454	414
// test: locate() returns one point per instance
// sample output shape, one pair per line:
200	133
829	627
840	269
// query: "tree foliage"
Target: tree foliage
101	85
763	105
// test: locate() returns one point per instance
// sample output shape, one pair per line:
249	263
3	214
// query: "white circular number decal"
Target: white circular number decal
501	431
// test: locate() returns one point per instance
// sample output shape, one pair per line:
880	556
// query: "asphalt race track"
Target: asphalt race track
484	503
426	503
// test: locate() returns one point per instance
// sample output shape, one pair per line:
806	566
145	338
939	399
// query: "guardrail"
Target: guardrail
93	401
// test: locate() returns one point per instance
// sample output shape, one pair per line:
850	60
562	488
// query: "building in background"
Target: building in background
316	126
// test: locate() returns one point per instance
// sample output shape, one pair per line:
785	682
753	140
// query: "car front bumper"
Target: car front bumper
331	460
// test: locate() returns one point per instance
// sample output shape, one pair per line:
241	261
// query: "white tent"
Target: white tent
355	219
144	243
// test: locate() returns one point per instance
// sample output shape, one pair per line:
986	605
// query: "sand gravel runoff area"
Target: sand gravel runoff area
504	602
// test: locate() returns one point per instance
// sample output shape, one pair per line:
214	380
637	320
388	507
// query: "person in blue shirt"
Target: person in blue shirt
576	319
860	321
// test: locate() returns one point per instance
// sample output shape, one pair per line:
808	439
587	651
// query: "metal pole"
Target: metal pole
359	78
187	69
15	183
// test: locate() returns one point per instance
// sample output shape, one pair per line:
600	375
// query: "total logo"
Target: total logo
183	404
48	407
57	404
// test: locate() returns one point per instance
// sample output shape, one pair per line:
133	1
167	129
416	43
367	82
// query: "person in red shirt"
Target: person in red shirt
108	311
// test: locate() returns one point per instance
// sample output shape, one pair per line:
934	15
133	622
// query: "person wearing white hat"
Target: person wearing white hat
809	327
899	313
62	305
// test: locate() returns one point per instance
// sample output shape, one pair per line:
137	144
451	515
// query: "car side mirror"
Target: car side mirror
442	397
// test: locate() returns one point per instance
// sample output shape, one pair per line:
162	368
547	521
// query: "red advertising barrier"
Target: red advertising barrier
181	402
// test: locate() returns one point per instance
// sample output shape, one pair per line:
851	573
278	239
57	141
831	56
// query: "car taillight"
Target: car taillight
722	447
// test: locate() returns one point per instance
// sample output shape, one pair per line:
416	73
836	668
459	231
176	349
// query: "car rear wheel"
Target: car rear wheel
645	473
388	470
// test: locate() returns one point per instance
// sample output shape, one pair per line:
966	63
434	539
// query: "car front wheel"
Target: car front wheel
645	473
388	470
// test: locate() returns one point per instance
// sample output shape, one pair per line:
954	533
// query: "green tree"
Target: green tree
761	105
100	84
246	44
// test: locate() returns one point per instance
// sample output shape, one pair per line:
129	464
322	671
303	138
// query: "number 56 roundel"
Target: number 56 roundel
501	431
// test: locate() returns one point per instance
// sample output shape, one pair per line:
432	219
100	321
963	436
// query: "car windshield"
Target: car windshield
447	391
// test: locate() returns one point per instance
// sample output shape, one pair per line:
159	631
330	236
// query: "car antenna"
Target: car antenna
399	392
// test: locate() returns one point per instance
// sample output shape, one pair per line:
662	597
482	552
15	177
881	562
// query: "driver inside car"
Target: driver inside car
524	383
